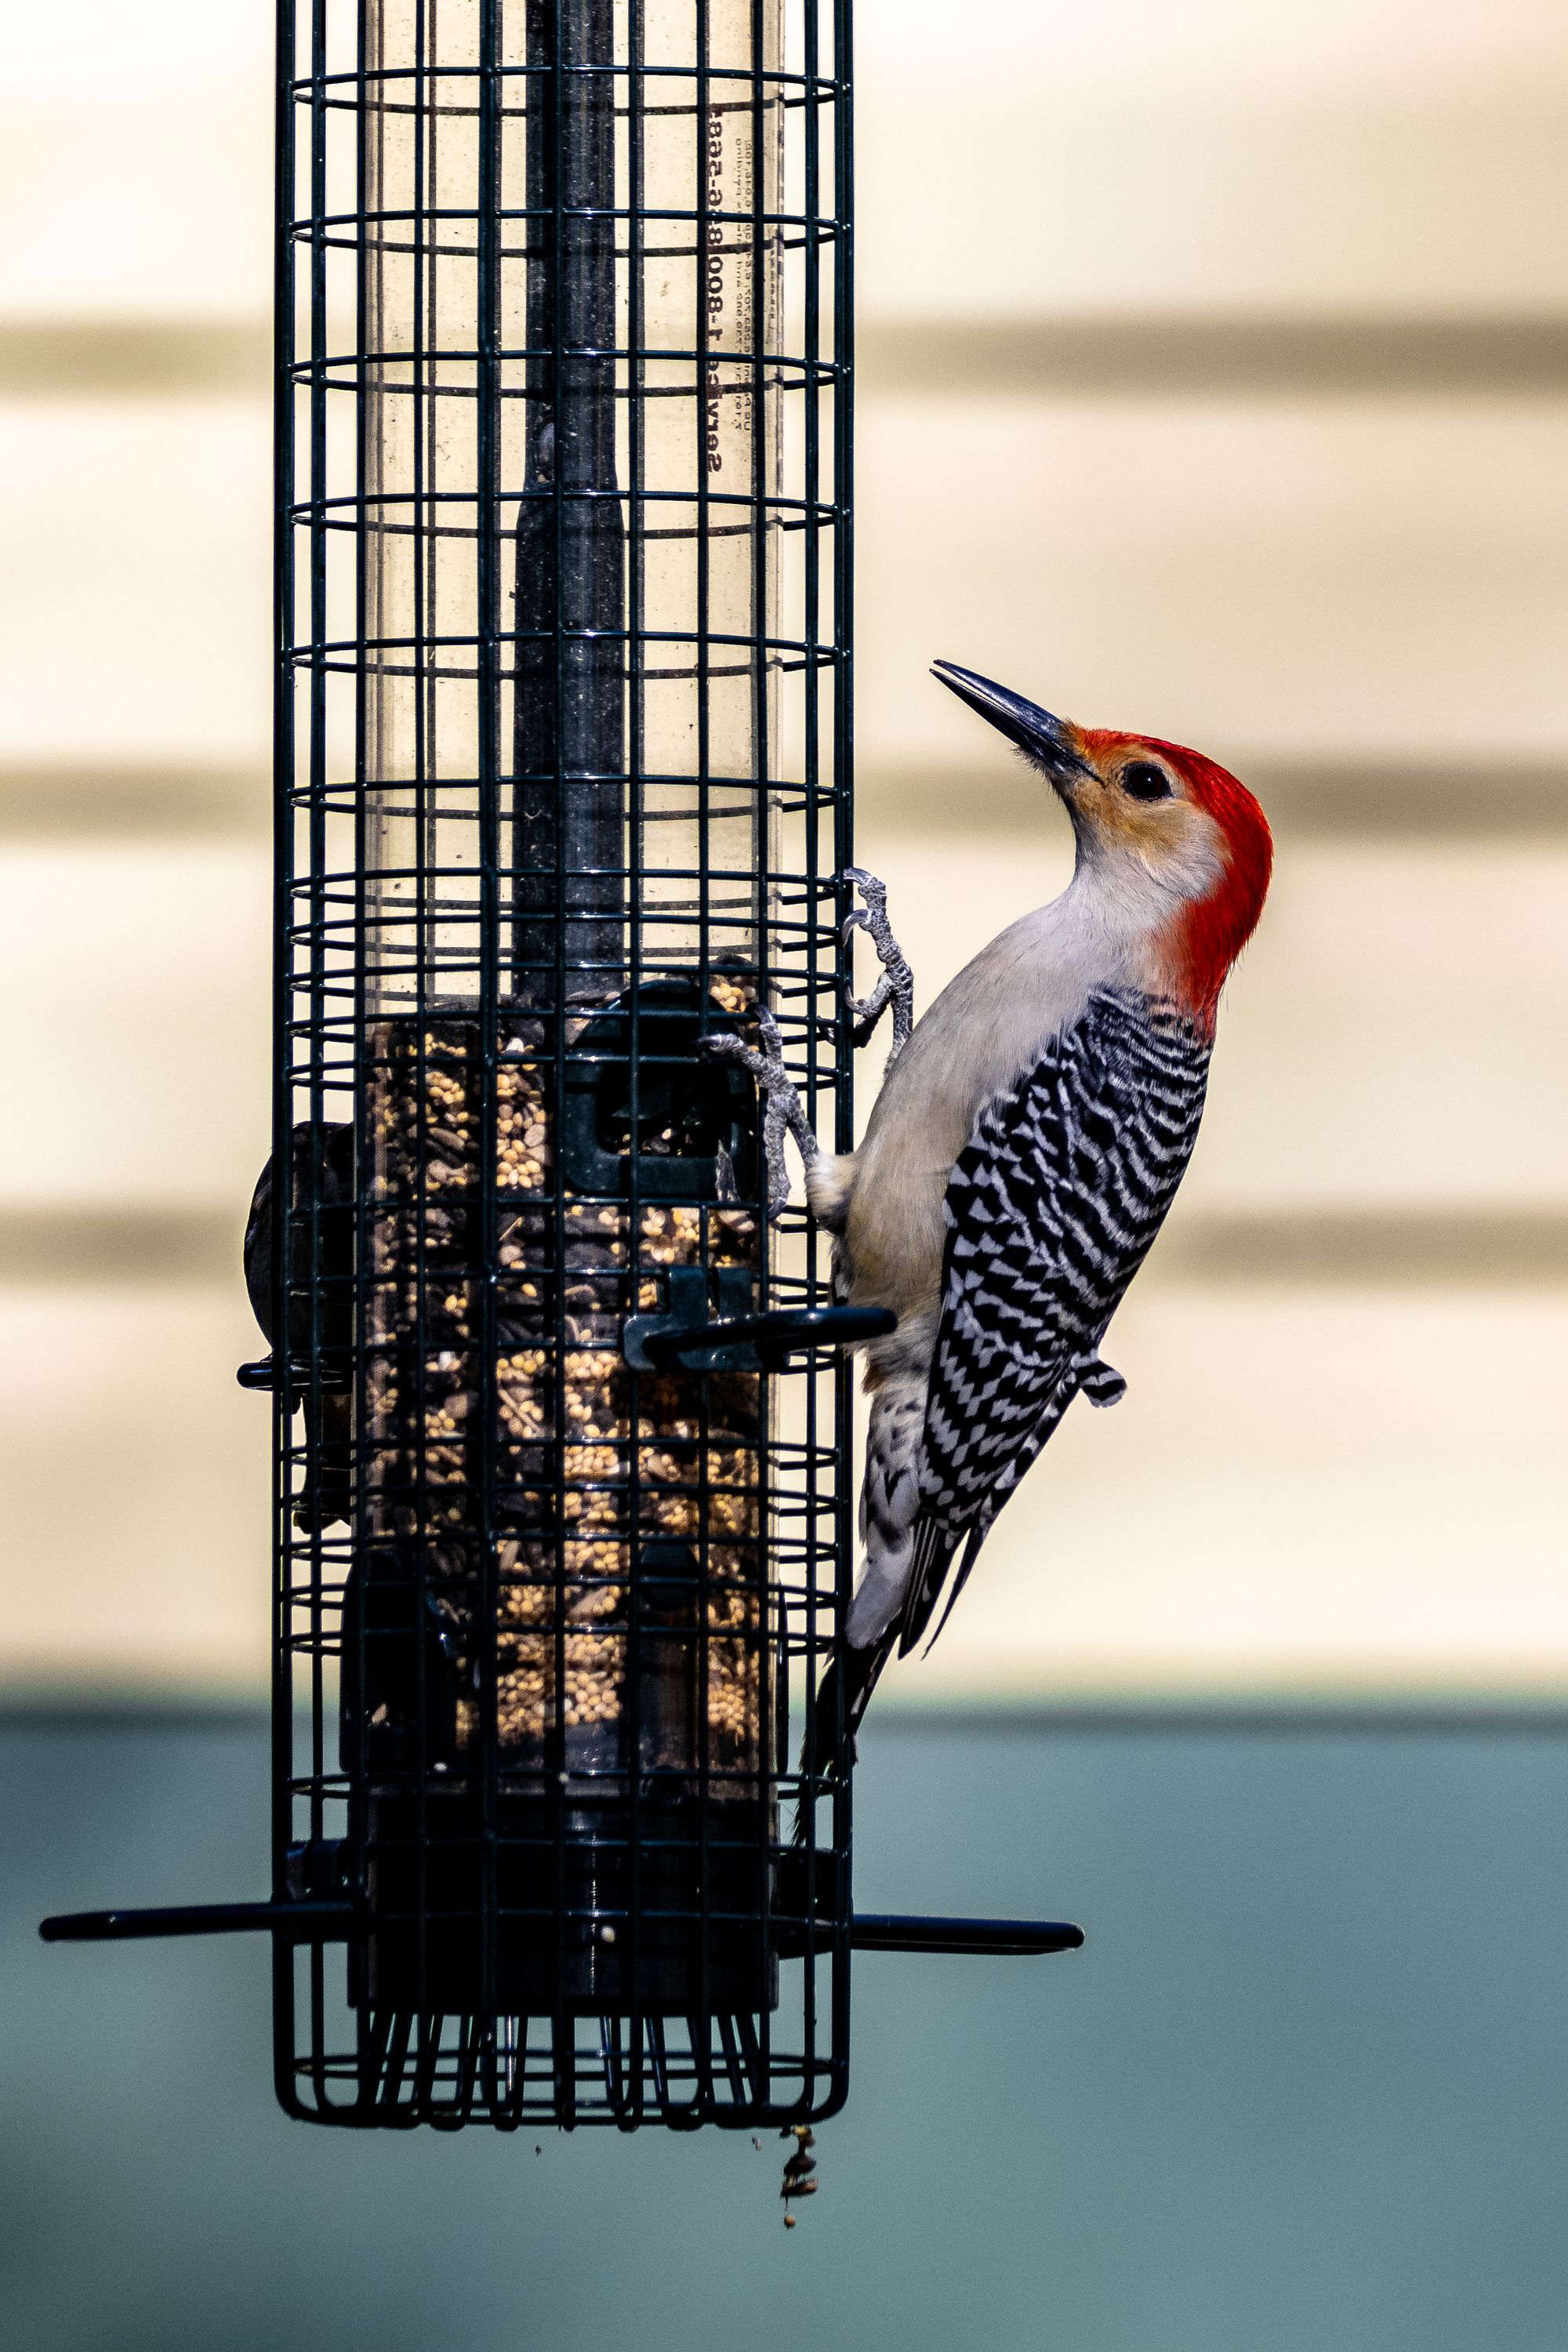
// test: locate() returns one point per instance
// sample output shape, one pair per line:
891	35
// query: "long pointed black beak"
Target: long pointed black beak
1035	731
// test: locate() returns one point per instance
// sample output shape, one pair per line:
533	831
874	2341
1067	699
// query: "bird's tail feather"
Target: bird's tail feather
844	1691
848	1684
971	1553
934	1546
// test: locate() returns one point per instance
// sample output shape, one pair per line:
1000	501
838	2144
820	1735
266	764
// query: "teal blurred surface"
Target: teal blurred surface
1307	2086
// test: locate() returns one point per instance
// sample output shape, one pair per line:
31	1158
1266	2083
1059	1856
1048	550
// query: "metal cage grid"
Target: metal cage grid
564	608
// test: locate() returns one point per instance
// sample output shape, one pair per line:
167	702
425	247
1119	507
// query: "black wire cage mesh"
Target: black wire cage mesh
563	740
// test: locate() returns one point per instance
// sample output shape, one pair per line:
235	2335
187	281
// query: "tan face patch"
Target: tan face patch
1173	839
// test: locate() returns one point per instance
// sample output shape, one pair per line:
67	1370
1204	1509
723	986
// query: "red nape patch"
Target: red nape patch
1211	933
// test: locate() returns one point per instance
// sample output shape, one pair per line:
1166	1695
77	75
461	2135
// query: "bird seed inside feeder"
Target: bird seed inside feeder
623	1557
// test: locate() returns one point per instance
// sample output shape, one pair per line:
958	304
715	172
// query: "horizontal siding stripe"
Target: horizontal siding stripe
1395	1246
1332	799
1241	355
111	801
115	358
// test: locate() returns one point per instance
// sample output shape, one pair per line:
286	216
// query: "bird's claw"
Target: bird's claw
897	984
783	1112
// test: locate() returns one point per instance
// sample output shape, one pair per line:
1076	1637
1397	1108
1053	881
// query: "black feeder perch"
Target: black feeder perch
563	1511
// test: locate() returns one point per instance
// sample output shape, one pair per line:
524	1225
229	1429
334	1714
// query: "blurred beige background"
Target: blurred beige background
1214	380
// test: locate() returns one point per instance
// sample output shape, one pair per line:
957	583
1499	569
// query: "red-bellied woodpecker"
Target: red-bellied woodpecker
1023	1151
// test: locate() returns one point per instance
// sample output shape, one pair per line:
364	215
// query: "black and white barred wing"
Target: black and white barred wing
1051	1208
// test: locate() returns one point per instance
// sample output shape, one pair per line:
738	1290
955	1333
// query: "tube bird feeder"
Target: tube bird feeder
564	593
562	1530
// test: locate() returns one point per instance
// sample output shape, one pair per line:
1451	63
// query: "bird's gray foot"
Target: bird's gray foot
785	1113
897	985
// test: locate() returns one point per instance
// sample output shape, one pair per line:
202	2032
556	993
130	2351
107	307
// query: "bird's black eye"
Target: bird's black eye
1145	781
